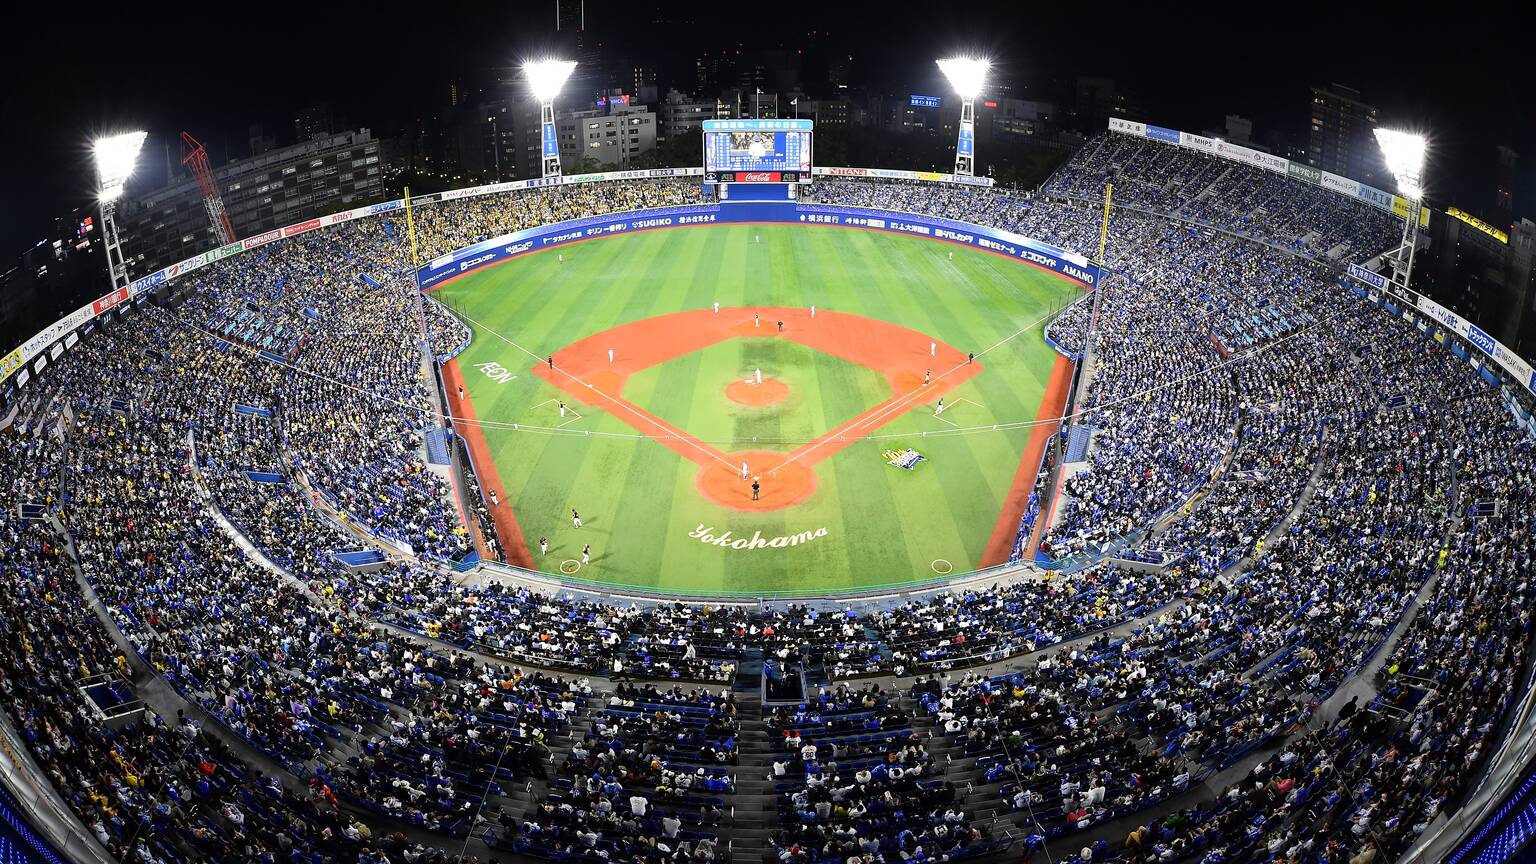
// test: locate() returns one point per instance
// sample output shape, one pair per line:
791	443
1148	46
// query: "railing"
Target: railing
59	834
897	589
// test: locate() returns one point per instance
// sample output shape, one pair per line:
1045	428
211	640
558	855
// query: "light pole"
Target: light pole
546	77
966	75
115	156
1404	155
495	144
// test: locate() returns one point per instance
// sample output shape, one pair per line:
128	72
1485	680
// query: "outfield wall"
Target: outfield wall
509	246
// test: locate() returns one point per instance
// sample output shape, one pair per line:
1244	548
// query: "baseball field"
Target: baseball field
603	378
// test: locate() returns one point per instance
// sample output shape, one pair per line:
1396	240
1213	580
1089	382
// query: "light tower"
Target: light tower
545	78
1404	155
966	75
115	156
195	157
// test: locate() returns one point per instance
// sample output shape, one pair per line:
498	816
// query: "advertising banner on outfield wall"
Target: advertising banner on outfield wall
1068	264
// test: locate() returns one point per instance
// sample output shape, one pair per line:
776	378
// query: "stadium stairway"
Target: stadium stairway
749	673
1077	443
437	445
752	807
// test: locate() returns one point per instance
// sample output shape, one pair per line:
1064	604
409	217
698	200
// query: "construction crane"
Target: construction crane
195	157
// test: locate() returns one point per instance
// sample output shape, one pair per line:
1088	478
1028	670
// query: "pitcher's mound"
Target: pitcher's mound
770	392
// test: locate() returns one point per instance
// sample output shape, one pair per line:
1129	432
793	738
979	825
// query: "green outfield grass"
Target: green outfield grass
638	498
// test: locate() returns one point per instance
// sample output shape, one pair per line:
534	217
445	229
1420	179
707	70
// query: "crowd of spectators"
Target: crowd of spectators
854	781
1337	450
1182	182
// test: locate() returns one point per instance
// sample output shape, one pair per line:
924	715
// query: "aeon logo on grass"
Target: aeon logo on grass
706	534
496	372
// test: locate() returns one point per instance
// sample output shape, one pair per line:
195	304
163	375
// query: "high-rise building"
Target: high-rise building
277	188
611	137
1467	270
1504	192
570	16
260	142
644	85
316	121
681	115
56	276
1342	135
1522	275
828	113
1098	99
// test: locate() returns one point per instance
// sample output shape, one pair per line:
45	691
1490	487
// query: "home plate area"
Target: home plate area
549	412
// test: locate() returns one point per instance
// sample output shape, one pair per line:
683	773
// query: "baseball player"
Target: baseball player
576	517
543	545
586	554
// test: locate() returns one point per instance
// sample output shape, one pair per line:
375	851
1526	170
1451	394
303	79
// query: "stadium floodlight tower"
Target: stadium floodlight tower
546	77
115	157
1404	155
966	75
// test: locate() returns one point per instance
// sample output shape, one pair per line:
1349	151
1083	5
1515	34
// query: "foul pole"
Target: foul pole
410	226
1109	192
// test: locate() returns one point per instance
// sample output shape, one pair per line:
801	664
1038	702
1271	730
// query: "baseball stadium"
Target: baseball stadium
764	510
816	408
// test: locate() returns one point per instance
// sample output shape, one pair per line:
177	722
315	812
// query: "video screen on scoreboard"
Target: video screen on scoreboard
757	151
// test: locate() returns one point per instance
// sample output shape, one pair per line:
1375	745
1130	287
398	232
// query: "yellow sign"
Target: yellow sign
1478	224
1402	206
10	363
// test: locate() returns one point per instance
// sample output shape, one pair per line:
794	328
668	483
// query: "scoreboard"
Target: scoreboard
757	151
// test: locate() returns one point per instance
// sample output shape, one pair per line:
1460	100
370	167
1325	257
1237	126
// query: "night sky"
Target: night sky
74	69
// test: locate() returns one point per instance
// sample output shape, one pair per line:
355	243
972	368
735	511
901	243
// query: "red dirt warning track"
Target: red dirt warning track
1052	404
904	356
485	469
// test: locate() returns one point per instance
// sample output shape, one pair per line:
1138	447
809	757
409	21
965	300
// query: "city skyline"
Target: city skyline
1248	69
